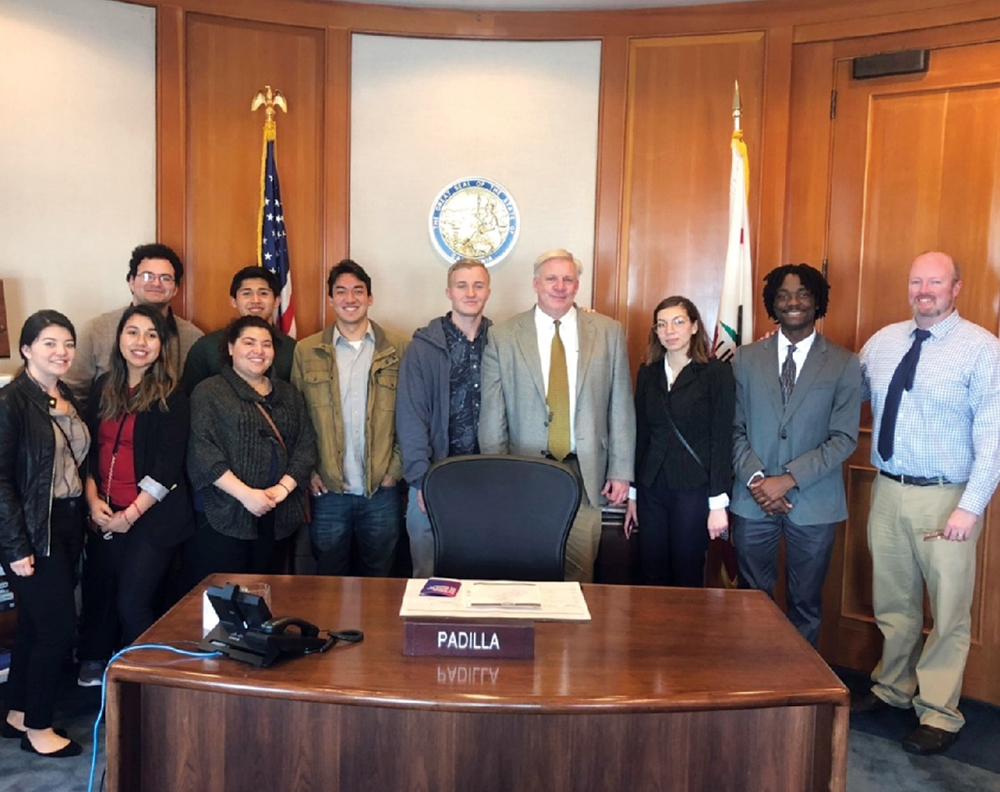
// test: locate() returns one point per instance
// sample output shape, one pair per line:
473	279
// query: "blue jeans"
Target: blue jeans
374	521
418	526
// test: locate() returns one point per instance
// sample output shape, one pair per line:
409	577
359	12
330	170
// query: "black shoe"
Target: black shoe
73	748
926	740
868	702
14	733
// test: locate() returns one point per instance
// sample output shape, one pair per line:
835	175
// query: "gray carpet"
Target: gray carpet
20	771
875	764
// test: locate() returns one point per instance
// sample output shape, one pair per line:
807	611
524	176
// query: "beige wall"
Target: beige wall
427	112
77	154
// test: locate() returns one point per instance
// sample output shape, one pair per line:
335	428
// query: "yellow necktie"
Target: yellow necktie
558	399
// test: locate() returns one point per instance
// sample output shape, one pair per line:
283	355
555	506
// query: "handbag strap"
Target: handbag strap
685	443
271	423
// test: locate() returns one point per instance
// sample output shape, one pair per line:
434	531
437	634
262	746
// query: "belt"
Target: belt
919	481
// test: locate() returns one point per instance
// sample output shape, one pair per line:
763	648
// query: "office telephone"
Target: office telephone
247	632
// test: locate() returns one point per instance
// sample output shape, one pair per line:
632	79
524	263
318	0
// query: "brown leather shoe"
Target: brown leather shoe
926	740
868	702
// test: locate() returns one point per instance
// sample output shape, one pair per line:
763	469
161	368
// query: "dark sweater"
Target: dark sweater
228	432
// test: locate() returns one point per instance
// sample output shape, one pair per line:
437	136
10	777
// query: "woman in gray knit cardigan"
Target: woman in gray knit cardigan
251	453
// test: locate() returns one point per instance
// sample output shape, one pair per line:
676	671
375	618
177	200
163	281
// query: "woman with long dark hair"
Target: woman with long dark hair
684	404
43	442
136	491
251	454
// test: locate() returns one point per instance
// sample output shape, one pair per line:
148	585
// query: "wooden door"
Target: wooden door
915	166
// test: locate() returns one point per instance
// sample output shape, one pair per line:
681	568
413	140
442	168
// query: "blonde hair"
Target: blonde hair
467	263
557	253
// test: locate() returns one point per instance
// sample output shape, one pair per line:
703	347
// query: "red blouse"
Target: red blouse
116	460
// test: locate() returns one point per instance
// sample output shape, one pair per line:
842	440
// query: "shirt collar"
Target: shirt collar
542	319
337	335
940	329
451	330
800	346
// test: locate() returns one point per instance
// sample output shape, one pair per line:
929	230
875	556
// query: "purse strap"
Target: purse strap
685	443
271	423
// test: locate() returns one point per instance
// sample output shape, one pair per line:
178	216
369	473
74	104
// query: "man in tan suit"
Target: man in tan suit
556	384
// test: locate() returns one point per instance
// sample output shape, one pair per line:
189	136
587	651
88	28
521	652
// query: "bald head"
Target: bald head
933	286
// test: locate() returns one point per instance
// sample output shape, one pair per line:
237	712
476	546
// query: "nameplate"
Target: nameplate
468	639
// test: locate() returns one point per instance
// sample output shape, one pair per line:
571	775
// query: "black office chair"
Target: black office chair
500	517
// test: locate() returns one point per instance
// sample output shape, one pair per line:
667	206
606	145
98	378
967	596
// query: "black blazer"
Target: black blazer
701	402
161	439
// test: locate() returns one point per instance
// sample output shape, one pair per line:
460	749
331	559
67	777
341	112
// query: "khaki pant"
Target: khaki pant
902	561
584	537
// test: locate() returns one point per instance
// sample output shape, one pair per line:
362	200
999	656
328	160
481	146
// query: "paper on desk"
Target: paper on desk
503	594
557	601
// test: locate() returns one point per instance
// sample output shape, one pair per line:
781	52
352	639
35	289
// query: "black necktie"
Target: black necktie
902	379
788	375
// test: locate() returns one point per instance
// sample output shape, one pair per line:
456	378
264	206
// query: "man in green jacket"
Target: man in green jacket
253	292
348	374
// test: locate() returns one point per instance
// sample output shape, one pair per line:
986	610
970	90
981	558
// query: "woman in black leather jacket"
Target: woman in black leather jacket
43	442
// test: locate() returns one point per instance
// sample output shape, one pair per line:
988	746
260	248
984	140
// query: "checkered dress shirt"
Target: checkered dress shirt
949	423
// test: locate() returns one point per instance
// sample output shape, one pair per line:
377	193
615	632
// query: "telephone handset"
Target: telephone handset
279	626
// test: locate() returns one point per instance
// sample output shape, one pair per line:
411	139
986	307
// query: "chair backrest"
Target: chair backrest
500	517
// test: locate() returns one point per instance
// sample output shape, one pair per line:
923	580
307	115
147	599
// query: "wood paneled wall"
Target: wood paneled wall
677	167
663	160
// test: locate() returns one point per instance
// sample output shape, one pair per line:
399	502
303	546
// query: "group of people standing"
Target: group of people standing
161	439
107	450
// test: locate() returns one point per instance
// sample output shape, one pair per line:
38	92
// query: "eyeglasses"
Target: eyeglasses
678	321
149	277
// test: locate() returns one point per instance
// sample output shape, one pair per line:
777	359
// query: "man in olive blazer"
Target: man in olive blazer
788	448
514	417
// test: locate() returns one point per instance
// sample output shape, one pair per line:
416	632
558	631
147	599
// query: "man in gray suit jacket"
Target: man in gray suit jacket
798	401
519	413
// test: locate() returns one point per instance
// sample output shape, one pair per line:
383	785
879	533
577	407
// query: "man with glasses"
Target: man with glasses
154	275
798	400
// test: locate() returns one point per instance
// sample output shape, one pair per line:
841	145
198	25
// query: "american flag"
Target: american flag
272	252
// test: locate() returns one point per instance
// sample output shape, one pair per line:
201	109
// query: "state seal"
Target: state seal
476	219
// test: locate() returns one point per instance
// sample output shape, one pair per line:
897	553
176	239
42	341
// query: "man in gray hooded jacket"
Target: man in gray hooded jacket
438	400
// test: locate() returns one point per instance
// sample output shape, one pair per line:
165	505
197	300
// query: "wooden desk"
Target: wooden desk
665	689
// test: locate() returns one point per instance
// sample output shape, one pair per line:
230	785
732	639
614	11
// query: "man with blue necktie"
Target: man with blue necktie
934	385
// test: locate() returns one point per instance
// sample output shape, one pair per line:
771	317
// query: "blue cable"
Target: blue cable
104	688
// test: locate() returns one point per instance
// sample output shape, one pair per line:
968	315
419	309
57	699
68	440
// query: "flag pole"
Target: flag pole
734	326
737	112
267	99
272	244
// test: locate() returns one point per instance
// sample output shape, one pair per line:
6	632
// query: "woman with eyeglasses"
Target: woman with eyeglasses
136	490
684	404
43	442
251	454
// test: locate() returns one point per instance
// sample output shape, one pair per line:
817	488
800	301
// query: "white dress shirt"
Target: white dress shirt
799	355
545	329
